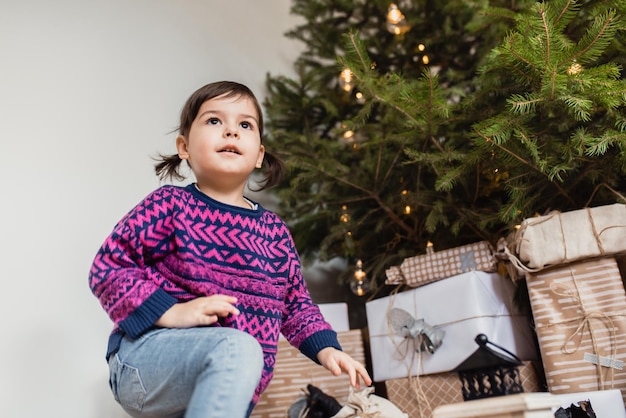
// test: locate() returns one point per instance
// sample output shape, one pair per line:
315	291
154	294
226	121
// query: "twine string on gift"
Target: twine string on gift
585	323
411	349
596	235
423	404
402	348
563	237
519	238
516	262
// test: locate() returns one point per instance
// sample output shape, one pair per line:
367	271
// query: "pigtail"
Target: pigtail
274	171
168	167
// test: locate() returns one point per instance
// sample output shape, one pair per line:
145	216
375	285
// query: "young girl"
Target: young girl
200	280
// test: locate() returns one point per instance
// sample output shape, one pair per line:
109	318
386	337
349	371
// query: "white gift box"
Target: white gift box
605	403
336	314
463	306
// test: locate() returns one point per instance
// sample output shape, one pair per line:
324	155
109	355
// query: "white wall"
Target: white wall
89	91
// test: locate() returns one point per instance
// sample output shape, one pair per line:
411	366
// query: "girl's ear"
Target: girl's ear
259	161
181	147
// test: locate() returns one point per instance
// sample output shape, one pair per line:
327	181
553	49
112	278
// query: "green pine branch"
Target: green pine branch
521	110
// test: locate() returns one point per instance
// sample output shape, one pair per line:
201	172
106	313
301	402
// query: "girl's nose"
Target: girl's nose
231	132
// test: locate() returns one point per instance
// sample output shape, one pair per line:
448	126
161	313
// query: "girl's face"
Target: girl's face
224	142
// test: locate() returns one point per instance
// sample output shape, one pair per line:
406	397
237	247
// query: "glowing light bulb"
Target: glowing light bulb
396	23
429	248
345	216
420	55
346	80
394	15
574	69
360	284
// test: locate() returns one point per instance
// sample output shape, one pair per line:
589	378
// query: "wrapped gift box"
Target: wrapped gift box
605	403
294	371
519	405
422	269
462	306
562	237
418	396
336	314
580	318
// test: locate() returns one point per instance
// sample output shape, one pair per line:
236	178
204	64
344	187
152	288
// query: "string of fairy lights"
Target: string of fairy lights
396	24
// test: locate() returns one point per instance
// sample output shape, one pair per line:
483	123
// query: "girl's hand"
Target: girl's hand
201	311
337	361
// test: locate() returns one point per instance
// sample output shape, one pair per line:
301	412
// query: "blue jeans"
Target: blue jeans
194	372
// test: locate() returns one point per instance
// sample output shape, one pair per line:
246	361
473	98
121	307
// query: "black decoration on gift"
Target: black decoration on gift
315	404
583	410
489	373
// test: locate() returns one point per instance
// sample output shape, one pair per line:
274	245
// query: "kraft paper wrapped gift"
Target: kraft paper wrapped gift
294	371
562	237
423	269
462	306
580	318
418	396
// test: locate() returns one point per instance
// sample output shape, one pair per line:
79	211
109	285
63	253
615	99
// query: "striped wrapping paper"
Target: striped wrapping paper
294	371
580	318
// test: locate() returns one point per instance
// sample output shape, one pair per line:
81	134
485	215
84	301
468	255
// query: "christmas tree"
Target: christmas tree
445	122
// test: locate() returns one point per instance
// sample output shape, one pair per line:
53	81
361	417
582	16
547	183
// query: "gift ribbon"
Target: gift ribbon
423	403
584	322
519	236
402	323
423	336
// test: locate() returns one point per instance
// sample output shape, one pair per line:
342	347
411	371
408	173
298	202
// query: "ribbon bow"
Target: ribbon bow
425	337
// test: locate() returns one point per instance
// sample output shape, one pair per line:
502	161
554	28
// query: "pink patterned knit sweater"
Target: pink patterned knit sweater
178	244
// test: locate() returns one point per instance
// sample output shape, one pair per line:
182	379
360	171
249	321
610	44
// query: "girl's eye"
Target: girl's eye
213	121
246	125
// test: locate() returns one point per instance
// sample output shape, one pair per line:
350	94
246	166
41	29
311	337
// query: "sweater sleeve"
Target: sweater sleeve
303	324
122	276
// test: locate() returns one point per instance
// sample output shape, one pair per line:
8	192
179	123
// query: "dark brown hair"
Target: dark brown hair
168	166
